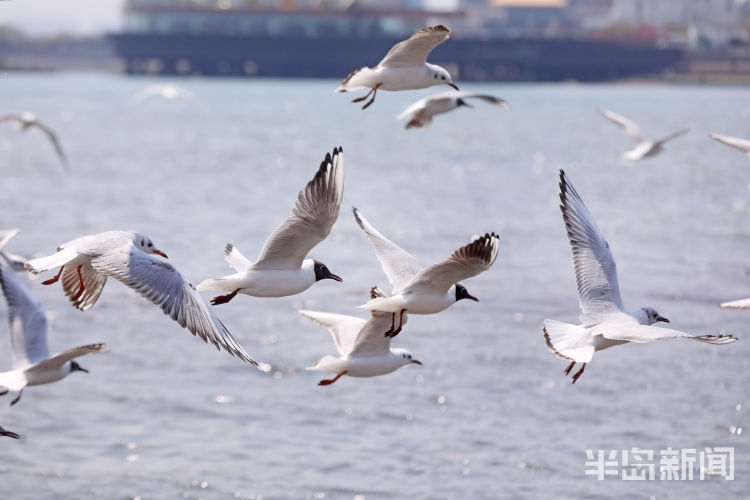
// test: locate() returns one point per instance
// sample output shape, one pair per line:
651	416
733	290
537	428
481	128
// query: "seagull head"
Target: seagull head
463	293
652	316
145	244
75	367
405	357
440	76
322	272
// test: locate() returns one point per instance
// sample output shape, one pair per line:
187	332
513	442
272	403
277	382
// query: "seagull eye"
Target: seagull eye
150	245
435	77
443	78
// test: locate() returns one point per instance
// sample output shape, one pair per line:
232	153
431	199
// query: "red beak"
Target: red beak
453	85
662	318
159	252
416	362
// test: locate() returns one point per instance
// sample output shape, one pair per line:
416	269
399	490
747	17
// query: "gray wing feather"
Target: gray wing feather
415	50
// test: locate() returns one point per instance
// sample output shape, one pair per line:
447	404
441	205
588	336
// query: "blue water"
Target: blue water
490	414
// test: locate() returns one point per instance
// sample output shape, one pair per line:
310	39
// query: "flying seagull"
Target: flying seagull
644	147
421	112
32	364
281	268
27	121
404	67
429	290
167	91
86	262
363	349
604	320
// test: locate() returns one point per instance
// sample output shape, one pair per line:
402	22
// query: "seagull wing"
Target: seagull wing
467	261
398	264
6	235
491	99
371	339
633	332
627	125
311	220
343	328
235	259
673	135
11	118
734	142
93	284
163	285
145	93
736	304
596	271
55	142
28	323
416	107
414	51
58	360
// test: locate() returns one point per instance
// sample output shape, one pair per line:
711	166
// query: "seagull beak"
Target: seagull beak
416	362
10	434
333	277
453	85
662	318
472	298
159	252
81	369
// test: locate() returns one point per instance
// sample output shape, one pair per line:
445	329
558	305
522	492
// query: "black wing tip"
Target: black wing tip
355	211
228	248
552	347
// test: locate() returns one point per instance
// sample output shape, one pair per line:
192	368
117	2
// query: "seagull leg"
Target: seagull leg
393	325
4	392
400	324
578	373
53	280
329	381
374	93
18	398
360	99
223	299
80	289
570	367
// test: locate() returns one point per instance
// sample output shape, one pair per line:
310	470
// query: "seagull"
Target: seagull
16	261
32	364
404	67
604	321
644	147
735	142
429	290
26	121
281	268
6	432
166	90
363	349
421	112
86	262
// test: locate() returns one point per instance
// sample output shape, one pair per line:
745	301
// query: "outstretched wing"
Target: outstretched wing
93	284
734	142
311	220
398	264
343	328
6	235
235	259
55	142
596	271
467	261
28	323
162	284
416	107
58	360
490	99
415	50
627	125
673	135
633	332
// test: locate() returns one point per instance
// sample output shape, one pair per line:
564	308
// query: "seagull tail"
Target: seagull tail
326	363
357	79
216	285
37	266
385	304
567	341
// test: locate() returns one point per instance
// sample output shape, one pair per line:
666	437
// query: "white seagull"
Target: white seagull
604	321
421	112
167	91
363	349
6	432
16	261
26	121
32	364
404	67
644	147
86	262
281	268
429	290
734	142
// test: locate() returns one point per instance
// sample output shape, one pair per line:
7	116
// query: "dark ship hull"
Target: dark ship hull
321	57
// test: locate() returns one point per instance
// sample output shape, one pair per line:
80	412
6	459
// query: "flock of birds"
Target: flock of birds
283	269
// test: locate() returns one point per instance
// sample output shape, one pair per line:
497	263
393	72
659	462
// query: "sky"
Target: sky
43	17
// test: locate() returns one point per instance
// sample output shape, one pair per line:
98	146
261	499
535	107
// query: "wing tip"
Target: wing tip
552	347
